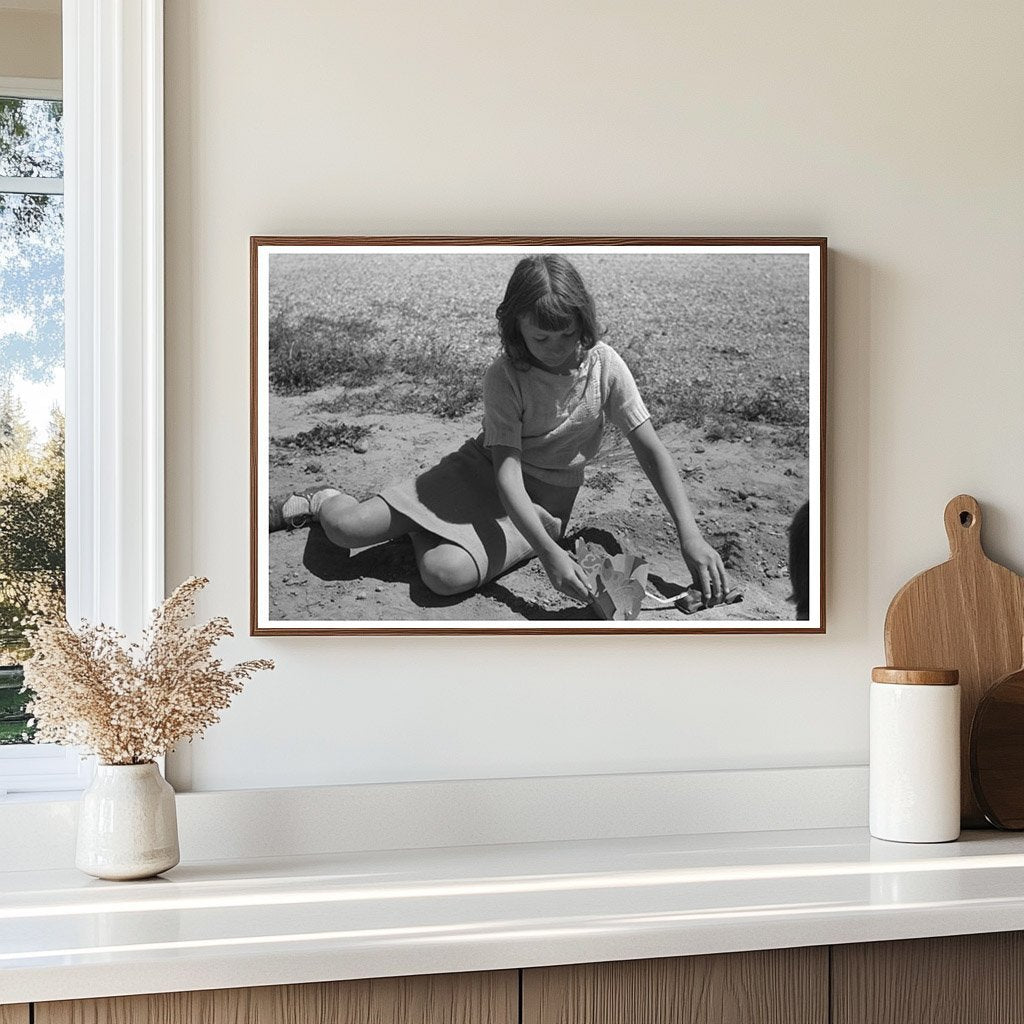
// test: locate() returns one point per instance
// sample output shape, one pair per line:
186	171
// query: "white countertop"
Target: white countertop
225	924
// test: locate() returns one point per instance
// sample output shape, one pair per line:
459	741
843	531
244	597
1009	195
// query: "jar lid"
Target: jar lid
916	676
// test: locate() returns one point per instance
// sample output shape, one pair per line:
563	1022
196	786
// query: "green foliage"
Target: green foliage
14	719
31	548
31	523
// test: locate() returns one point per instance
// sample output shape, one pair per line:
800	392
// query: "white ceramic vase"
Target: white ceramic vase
127	825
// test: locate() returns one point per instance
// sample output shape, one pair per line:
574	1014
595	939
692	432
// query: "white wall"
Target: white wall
894	129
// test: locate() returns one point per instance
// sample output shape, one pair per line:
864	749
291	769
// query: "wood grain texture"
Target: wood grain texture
776	986
480	998
997	752
961	979
967	614
14	1014
915	676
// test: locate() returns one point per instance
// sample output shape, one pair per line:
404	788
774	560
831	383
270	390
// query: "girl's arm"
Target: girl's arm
565	574
703	561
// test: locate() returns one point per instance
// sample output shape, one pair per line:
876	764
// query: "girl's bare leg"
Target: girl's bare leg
358	524
448	569
445	568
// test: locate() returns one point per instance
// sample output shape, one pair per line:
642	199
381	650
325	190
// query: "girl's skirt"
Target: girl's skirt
457	500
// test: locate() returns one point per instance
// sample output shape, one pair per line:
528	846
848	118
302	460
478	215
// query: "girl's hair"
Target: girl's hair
548	289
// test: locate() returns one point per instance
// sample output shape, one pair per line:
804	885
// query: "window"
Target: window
32	534
113	332
31	382
32	511
32	548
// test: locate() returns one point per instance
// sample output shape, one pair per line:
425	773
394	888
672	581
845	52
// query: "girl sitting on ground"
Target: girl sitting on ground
507	494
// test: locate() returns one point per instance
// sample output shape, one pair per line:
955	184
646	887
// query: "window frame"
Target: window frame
112	90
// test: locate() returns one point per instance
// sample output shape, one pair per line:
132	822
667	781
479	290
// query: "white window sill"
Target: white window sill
37	830
48	797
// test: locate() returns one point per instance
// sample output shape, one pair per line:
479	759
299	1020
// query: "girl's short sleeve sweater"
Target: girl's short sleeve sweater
557	420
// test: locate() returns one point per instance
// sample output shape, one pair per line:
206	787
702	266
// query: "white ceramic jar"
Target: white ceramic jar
915	755
127	823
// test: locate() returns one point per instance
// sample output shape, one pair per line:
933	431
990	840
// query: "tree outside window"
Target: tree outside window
32	541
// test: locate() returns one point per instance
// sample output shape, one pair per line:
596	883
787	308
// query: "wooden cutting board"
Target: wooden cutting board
967	614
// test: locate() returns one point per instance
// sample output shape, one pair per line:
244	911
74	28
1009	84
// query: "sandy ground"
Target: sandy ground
745	492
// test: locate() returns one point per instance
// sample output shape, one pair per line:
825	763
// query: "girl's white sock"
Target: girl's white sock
306	504
295	506
316	500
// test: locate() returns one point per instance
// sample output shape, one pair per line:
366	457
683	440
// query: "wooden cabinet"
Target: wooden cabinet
482	998
776	986
962	979
967	979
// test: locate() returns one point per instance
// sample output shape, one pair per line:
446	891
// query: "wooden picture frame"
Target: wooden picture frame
368	357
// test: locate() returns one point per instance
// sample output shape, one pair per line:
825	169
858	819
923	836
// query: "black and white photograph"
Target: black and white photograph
537	435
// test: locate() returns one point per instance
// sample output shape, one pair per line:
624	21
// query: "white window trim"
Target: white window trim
32	88
43	768
113	169
32	186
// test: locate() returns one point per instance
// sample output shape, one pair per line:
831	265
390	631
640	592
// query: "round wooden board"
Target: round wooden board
997	752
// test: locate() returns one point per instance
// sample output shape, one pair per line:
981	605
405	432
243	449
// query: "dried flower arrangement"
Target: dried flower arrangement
130	703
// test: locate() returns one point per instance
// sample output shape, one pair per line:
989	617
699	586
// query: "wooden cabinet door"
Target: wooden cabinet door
14	1014
481	998
776	986
960	979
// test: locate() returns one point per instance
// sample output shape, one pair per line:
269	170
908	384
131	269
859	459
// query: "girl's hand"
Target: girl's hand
706	567
566	575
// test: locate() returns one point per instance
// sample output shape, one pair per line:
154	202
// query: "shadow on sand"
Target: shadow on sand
395	562
392	562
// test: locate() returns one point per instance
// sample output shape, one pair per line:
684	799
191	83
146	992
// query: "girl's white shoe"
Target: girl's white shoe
301	508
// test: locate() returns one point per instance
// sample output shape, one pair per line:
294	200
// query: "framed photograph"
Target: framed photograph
537	435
